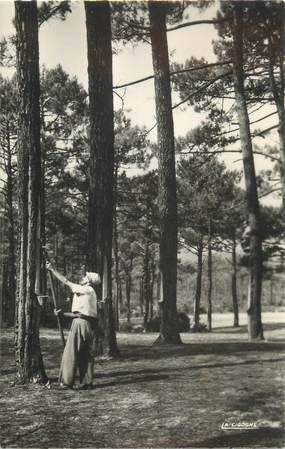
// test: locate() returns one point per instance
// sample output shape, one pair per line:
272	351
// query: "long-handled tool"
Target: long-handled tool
54	300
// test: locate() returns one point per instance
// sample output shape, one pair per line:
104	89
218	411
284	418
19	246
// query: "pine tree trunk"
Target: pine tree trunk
4	306
146	284
152	289
209	311
101	176
234	283
255	330
11	263
166	168
198	288
141	295
115	249
278	95
128	296
28	353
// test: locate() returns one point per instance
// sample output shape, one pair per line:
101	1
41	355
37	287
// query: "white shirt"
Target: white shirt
84	299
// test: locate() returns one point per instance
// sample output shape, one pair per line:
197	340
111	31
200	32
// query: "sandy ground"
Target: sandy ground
215	390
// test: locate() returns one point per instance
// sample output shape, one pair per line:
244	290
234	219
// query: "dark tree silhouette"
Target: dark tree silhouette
100	218
28	352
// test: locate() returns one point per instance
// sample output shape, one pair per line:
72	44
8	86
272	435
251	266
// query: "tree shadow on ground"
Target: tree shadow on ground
158	374
132	378
188	368
263	437
160	352
191	349
243	328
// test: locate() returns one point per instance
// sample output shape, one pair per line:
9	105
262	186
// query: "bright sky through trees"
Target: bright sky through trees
65	43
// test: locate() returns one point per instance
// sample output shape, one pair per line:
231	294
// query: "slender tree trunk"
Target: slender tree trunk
271	290
158	283
141	296
115	249
11	263
42	224
278	95
166	168
28	353
101	180
128	296
4	291
198	287
209	311
255	330
234	283
152	289
2	275
146	284
120	293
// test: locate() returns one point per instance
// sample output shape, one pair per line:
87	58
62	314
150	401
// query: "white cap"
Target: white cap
93	277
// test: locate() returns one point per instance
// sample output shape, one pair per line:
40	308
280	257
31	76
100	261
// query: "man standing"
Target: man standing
78	351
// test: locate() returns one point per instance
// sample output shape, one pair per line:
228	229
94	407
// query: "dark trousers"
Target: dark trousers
78	353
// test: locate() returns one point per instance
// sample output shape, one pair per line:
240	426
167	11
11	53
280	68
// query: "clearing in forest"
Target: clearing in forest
156	396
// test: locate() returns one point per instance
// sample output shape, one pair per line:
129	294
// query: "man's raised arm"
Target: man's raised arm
59	276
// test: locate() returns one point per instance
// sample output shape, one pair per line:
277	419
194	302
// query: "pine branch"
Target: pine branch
176	72
205	86
199	22
273	158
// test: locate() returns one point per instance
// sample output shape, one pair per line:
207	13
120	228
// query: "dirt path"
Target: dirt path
155	396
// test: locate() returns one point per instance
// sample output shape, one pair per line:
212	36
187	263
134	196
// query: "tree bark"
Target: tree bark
255	330
234	283
209	311
28	353
128	297
146	284
11	263
101	176
115	249
141	295
278	95
198	288
167	180
151	311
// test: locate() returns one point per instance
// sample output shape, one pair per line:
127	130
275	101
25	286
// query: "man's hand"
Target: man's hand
57	312
48	266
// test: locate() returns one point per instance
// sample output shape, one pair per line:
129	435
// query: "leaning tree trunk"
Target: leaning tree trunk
101	178
234	282
166	168
255	330
28	353
198	287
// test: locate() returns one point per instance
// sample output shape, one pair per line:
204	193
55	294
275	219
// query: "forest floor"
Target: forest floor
156	396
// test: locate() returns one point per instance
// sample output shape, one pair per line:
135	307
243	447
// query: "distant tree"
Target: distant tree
138	232
206	191
131	150
8	131
64	151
